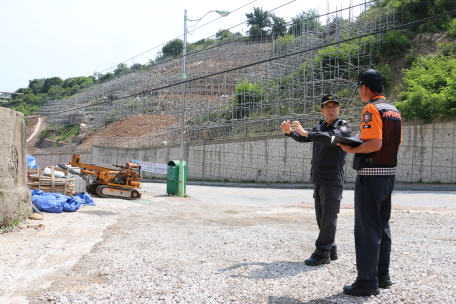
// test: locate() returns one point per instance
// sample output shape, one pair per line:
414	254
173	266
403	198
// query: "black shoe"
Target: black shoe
333	253
360	291
384	281
316	260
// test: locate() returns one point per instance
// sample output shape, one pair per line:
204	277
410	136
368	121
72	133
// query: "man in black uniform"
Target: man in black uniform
327	174
375	161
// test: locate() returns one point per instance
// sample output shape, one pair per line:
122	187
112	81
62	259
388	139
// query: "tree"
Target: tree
259	21
304	21
173	48
279	25
105	77
122	68
36	85
395	42
48	82
136	66
421	9
150	63
79	82
69	83
55	91
159	57
223	34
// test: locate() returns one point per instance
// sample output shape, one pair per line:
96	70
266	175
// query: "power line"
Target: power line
243	38
266	60
177	37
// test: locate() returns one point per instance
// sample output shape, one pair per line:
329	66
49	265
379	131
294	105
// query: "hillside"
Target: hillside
83	139
244	87
421	45
143	125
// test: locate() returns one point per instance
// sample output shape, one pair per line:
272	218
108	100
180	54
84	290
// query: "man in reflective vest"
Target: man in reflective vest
375	161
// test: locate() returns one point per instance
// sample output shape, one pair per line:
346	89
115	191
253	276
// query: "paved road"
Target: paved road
266	196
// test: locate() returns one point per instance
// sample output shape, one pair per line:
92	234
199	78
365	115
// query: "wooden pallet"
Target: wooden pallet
50	184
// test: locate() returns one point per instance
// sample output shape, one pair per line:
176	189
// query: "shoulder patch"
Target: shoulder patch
343	129
367	117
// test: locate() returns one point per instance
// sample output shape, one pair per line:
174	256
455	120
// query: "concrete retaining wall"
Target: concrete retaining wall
427	154
15	202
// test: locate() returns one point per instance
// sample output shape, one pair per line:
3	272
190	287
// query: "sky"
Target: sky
47	38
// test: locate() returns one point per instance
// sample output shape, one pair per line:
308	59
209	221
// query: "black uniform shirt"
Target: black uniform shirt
328	159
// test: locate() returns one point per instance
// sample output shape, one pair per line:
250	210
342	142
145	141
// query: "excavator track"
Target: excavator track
117	192
92	189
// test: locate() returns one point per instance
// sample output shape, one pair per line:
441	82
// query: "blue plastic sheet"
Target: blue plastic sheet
31	162
88	200
57	203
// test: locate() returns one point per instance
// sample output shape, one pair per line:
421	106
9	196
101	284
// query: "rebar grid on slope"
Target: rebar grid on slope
247	101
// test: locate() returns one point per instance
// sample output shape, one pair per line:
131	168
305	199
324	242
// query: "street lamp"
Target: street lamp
181	187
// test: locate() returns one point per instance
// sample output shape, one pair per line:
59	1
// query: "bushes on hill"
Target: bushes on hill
394	43
247	97
452	28
431	88
419	9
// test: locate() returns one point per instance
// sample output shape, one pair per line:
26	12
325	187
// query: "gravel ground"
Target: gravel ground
177	250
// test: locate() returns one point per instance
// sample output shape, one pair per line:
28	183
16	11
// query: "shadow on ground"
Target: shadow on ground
273	270
285	300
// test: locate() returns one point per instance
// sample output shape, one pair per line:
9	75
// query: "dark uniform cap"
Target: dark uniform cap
327	98
369	76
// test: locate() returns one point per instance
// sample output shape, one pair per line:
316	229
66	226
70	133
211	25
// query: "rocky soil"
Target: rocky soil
180	250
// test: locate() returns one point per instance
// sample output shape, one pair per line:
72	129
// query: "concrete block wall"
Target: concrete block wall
45	159
427	154
15	197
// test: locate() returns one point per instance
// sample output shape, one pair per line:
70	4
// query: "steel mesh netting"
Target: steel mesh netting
242	87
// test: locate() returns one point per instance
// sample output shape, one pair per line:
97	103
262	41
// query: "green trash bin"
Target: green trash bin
172	184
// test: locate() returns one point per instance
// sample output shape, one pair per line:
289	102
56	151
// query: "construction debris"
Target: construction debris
36	216
51	184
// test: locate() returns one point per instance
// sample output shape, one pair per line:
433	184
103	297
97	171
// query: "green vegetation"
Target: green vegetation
223	34
431	88
310	22
395	43
452	28
43	132
67	132
247	97
10	226
420	100
259	22
419	9
60	134
173	48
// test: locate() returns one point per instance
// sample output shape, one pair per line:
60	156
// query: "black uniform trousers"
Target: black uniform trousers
327	206
372	230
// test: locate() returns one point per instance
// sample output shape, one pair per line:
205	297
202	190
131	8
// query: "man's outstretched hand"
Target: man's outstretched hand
286	127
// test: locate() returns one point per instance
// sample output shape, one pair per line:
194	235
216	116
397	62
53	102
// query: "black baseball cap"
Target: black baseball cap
369	76
329	97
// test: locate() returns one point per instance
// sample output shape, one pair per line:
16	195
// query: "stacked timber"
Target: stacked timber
51	184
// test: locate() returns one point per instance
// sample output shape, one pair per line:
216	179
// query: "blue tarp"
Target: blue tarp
31	162
57	203
88	200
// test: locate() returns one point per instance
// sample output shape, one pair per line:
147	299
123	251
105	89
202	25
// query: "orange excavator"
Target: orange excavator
106	182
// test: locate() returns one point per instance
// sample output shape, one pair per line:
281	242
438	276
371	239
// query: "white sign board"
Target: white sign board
152	167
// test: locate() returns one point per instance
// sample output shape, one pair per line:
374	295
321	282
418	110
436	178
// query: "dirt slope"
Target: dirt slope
128	127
